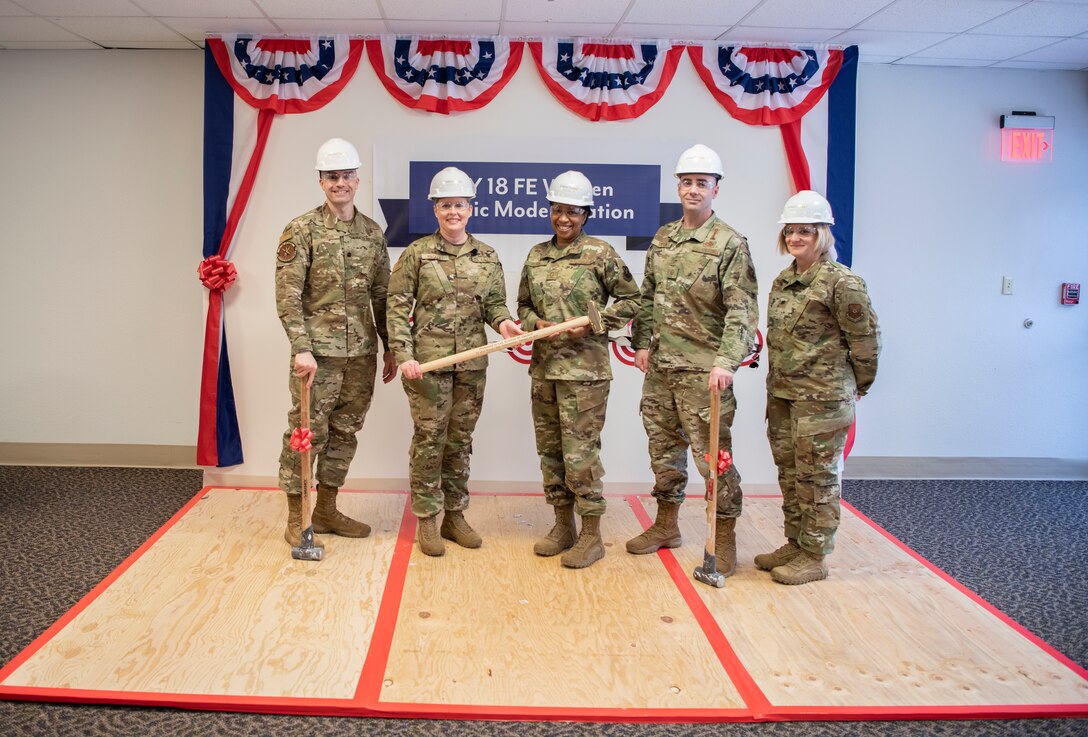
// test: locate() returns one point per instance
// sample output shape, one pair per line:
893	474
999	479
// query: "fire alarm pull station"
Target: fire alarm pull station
1070	293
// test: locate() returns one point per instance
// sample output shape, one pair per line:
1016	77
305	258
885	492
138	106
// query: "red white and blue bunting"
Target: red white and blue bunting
444	76
606	81
286	75
764	86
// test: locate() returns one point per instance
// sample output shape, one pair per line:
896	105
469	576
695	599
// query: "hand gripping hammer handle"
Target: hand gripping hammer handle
592	320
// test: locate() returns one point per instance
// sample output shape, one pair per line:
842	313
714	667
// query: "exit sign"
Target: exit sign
1027	144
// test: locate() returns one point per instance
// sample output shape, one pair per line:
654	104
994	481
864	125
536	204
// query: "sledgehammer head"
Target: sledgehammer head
308	550
708	572
596	324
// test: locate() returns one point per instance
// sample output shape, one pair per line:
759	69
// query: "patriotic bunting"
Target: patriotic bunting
762	86
606	81
444	76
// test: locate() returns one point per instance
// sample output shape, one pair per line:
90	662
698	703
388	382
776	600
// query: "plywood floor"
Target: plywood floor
212	613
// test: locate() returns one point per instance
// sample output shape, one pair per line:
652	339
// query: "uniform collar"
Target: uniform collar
701	233
554	251
328	217
445	246
809	274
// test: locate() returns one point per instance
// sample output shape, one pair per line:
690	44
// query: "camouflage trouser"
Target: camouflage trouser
339	399
807	442
568	417
675	411
445	407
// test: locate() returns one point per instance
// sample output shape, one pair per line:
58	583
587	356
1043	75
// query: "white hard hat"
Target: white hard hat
452	182
807	207
571	188
336	154
699	159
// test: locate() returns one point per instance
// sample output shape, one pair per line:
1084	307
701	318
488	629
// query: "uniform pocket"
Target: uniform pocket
813	323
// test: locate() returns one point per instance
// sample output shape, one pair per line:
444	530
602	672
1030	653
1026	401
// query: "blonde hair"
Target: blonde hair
825	242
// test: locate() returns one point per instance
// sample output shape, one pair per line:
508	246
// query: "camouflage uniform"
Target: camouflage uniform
571	376
450	292
698	311
823	342
331	279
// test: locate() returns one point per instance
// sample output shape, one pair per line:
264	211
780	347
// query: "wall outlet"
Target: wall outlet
1006	285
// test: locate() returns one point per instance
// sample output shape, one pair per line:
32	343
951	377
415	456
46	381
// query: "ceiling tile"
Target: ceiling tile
426	11
8	8
813	13
181	43
103	29
1040	19
569	12
560	30
918	61
994	48
689	12
63	8
49	45
938	15
195	29
752	34
685	33
1070	50
201	8
1017	64
317	9
330	27
445	27
33	29
889	43
875	58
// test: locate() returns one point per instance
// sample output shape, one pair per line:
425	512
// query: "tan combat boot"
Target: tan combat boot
780	557
589	549
562	535
663	533
725	545
327	518
805	567
293	533
429	541
455	527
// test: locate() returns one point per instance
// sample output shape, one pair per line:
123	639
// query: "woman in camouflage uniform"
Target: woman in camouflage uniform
571	372
823	342
450	285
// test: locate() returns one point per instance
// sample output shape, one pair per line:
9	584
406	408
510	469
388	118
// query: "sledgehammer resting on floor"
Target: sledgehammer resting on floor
592	320
708	571
307	549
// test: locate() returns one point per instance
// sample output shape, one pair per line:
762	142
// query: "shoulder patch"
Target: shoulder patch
854	311
286	251
627	273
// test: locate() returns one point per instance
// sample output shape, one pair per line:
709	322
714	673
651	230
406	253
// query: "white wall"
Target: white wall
101	311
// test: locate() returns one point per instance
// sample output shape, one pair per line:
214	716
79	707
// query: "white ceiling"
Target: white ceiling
1031	34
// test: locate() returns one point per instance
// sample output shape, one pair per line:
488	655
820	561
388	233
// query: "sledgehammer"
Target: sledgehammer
592	320
708	571
306	550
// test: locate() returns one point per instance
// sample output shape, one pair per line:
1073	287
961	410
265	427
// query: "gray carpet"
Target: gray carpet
1020	545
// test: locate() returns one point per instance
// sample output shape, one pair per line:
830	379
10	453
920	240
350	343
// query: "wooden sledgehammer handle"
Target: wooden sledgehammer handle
592	320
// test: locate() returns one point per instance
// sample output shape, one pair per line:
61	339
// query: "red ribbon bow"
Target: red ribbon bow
302	439
724	460
216	272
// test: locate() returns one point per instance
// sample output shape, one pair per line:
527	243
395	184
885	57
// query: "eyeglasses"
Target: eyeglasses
700	183
572	212
805	231
454	206
336	176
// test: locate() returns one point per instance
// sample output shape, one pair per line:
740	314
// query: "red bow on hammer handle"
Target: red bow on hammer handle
302	439
724	460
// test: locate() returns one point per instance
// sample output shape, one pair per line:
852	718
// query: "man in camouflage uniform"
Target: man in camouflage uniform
696	324
450	285
571	372
332	269
823	342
